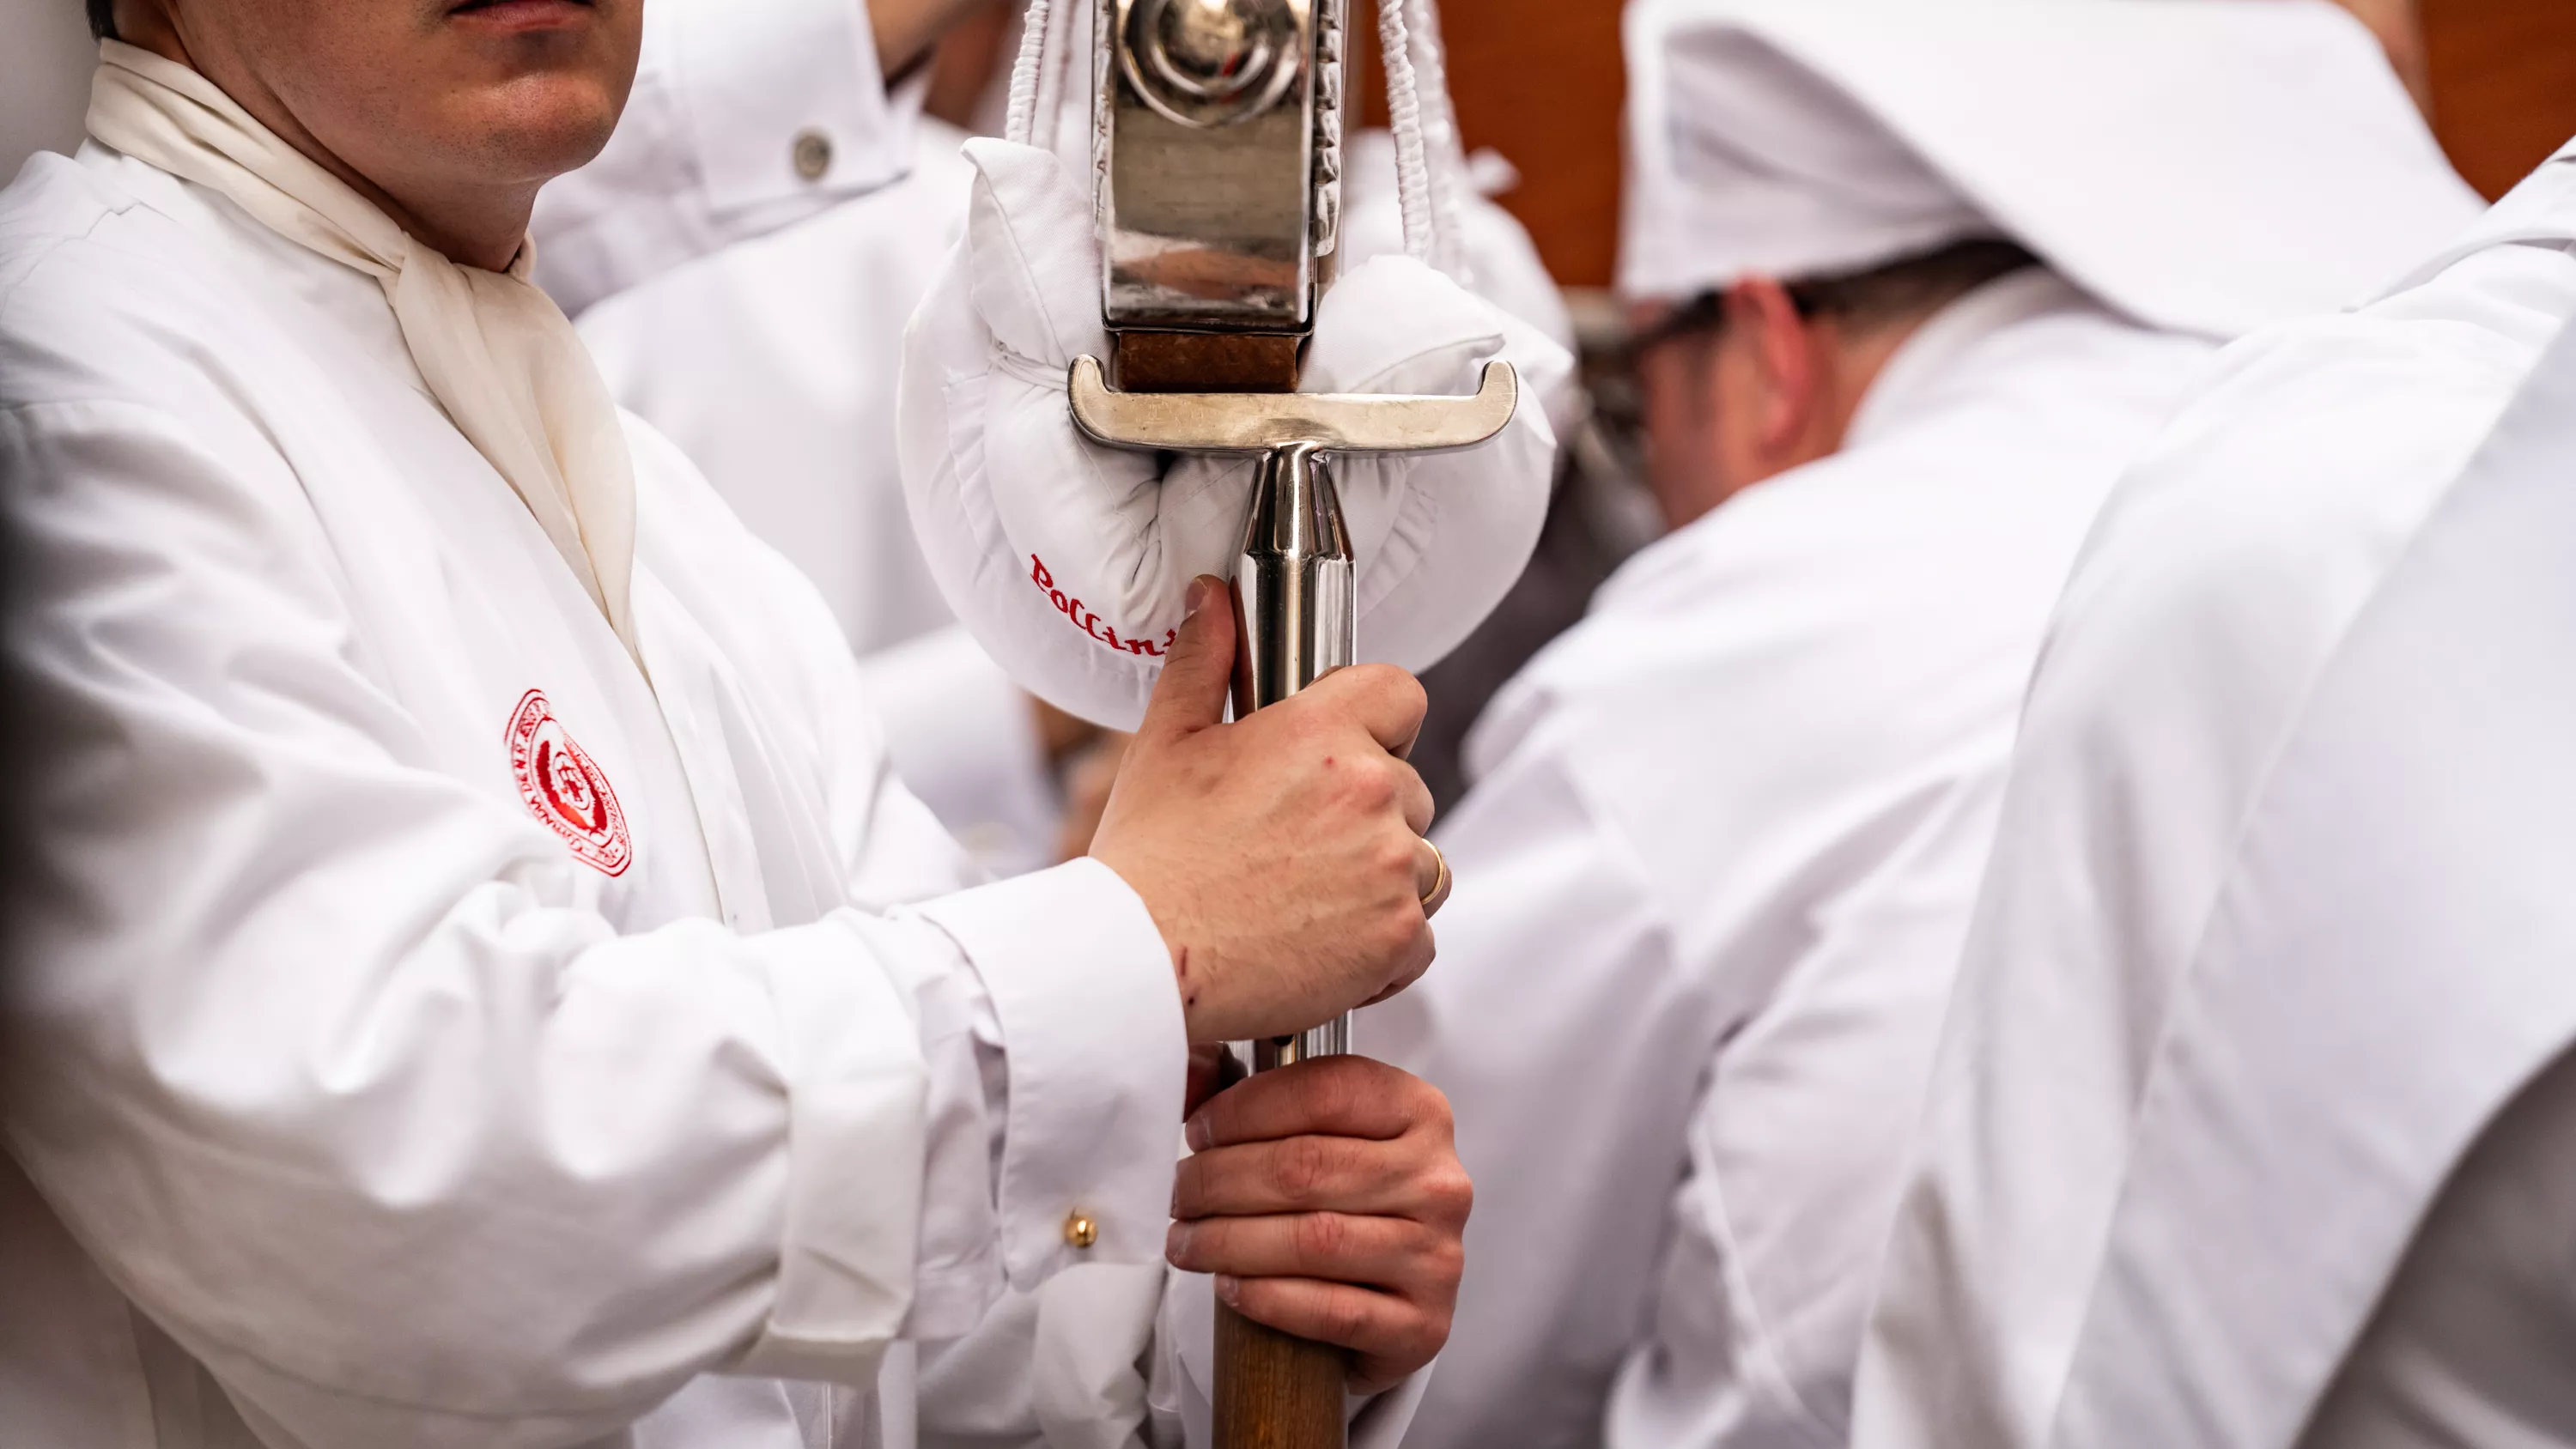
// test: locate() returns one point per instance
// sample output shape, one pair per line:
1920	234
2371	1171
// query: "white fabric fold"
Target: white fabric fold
494	350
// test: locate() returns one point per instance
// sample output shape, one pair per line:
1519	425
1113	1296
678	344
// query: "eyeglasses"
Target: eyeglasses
1704	314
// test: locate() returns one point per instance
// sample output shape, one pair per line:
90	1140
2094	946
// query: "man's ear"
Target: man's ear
1786	363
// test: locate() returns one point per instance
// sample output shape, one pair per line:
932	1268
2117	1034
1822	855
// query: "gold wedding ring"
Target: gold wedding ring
1438	895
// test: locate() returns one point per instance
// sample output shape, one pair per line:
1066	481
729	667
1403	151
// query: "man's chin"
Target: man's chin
537	127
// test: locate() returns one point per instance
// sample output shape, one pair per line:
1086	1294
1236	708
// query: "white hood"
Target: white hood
2205	166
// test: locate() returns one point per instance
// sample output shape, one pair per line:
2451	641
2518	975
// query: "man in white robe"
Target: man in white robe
478	983
1719	854
2252	1124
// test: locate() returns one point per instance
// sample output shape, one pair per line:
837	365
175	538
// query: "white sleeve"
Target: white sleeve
747	116
331	1063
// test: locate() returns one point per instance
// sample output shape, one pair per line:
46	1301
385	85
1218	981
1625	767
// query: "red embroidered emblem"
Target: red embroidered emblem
565	789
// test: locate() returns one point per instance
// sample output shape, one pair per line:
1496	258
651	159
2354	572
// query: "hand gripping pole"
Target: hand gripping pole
1296	618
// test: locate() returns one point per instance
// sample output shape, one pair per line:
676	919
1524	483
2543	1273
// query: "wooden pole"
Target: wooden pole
1274	1391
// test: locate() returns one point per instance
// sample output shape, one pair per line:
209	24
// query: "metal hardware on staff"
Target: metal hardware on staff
1219	124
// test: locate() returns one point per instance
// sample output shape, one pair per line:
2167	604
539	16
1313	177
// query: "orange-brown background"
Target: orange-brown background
1539	81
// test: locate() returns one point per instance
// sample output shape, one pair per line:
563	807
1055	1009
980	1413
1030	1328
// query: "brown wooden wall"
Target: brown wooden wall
2504	83
1539	80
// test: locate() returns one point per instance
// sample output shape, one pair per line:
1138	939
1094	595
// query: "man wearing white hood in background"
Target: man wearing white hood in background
2254	1123
1929	273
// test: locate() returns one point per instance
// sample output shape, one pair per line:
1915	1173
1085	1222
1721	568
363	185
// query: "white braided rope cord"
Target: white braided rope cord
1445	151
1021	120
1404	117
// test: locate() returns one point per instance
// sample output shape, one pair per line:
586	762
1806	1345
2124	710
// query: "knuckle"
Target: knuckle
1399	687
1403	940
1395	857
1447	1261
1450	1192
1432	1333
1376	788
1421	950
1305	1165
1431	1106
1320	1239
1378	678
1346	1315
1411	788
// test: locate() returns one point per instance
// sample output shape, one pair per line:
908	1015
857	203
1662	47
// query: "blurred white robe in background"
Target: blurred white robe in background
2277	923
772	363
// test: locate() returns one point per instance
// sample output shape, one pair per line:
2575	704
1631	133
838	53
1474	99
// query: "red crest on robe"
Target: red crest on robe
565	789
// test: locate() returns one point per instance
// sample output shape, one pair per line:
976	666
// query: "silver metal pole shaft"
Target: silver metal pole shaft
1296	616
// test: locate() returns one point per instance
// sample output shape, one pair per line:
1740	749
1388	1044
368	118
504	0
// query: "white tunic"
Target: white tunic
1712	878
2055	1278
428	1031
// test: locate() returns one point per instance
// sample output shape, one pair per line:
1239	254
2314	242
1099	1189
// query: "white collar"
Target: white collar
1912	378
349	298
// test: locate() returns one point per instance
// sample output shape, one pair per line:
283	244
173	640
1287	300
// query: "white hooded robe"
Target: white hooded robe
2176	1143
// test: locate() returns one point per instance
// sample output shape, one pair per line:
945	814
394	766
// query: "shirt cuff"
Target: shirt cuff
1096	1060
784	98
856	1077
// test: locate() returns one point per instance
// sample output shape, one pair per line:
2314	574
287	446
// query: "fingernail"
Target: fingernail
1196	595
1228	1290
1176	1243
1197	1133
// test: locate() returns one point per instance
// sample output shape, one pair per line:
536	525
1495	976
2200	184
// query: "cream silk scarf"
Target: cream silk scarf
497	353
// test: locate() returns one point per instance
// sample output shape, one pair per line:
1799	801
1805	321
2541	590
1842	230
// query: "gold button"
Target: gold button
1079	1230
812	154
